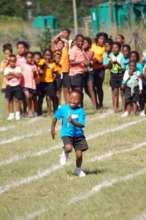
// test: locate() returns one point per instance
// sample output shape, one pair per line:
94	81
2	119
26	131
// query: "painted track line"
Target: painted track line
51	169
17	158
19	138
83	196
106	184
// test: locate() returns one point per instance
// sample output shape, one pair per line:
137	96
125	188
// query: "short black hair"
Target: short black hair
67	30
13	56
122	36
109	41
37	53
79	35
136	53
101	34
77	92
7	46
127	46
117	43
24	43
88	39
29	52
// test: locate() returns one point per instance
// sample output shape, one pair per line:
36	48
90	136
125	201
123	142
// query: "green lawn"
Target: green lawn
29	190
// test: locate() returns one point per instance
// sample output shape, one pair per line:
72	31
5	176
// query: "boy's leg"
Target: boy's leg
116	99
79	158
68	145
80	145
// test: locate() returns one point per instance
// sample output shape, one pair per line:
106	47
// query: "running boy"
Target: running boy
73	122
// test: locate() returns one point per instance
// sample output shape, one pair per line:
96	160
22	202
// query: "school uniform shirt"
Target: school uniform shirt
98	53
106	58
76	55
49	69
29	73
116	68
89	56
14	81
21	61
64	62
125	63
68	129
139	67
133	80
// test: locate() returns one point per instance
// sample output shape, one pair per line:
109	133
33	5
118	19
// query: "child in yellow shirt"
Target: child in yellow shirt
47	82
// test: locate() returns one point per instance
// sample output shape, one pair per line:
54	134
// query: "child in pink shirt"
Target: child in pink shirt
13	90
30	75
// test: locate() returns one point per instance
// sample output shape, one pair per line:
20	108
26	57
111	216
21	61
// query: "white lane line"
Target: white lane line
18	138
106	184
59	145
86	195
36	177
114	153
30	179
140	217
6	128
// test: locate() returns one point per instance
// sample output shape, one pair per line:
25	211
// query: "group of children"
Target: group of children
72	68
80	64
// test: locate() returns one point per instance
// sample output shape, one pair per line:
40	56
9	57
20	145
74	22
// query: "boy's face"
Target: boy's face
101	41
57	58
133	57
37	58
12	62
21	50
74	100
79	42
132	67
60	45
108	47
120	40
47	56
125	52
86	44
29	58
7	54
115	49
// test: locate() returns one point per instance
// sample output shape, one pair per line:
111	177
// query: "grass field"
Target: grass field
34	186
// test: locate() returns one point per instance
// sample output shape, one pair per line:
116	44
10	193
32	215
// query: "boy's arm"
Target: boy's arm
75	123
53	126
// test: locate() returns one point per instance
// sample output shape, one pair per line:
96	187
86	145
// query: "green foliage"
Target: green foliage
44	39
62	9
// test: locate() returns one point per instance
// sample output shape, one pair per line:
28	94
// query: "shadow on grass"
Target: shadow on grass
89	172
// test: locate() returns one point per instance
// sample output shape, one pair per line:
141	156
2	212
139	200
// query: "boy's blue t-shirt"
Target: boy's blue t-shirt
68	129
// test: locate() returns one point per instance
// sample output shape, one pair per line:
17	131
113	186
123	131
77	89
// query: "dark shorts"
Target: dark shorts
77	81
89	76
131	98
116	80
14	92
58	83
47	89
79	143
66	81
31	91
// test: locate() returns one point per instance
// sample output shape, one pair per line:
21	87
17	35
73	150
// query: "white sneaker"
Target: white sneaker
17	116
11	116
125	114
142	113
79	172
63	158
